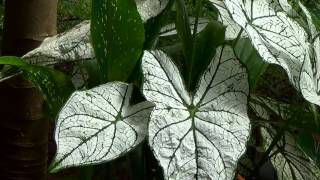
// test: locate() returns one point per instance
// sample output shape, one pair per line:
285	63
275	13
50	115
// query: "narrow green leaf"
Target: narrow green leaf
117	33
184	31
54	85
12	60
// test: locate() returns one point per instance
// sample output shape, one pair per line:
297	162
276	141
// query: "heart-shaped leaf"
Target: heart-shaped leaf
99	125
73	45
200	136
277	38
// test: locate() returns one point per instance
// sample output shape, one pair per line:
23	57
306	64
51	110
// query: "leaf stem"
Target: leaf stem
198	11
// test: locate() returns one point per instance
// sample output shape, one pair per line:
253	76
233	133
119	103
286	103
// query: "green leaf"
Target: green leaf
252	60
12	60
204	50
54	85
117	33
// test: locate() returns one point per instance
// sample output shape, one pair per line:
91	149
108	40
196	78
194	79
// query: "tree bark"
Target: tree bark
23	125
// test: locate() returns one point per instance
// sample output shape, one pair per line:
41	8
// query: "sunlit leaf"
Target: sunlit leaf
150	8
277	38
117	33
232	28
73	45
289	159
200	136
99	125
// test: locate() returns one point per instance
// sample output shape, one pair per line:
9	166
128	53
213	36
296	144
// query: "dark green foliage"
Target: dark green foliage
117	33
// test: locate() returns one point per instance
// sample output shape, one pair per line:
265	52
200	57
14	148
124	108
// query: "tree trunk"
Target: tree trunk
23	126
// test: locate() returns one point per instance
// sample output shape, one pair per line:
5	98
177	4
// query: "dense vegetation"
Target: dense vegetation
176	89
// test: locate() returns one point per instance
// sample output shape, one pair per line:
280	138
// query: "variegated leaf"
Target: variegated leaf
310	75
150	8
99	125
277	38
232	28
199	136
72	45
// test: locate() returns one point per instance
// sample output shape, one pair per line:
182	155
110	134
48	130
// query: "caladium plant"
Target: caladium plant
194	113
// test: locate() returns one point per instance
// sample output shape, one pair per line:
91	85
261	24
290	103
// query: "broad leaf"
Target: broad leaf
99	125
200	136
117	33
73	45
54	85
277	38
289	159
232	28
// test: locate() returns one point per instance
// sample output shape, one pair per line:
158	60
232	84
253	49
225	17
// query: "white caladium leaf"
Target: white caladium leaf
310	75
72	45
232	28
150	8
99	125
198	136
289	159
170	29
277	38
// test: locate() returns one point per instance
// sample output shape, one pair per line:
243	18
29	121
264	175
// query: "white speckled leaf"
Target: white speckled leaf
150	8
200	136
72	45
232	28
290	161
310	75
99	125
277	38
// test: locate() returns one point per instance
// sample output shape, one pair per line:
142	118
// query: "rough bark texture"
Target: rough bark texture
23	126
